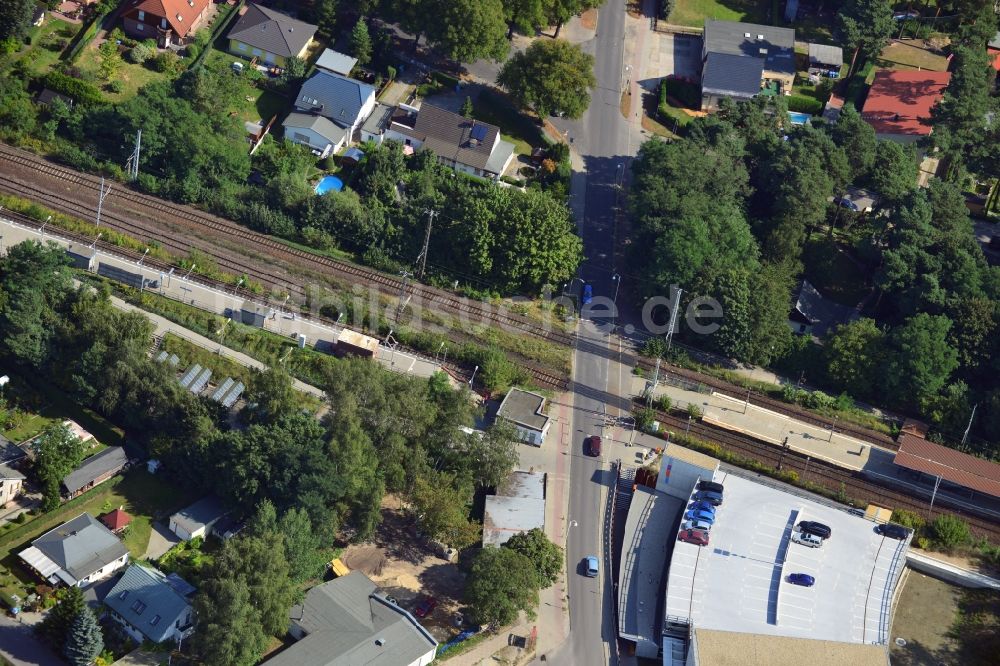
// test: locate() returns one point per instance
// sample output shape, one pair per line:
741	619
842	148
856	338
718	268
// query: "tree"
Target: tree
59	453
950	532
111	60
563	10
84	641
325	16
526	16
442	509
272	395
229	630
866	26
546	556
55	628
467	108
139	54
361	42
302	545
854	355
493	455
857	138
959	118
894	170
920	360
550	77
501	584
467	30
15	18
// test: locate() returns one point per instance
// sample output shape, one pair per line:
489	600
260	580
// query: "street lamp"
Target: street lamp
618	282
237	287
143	258
42	229
473	376
94	244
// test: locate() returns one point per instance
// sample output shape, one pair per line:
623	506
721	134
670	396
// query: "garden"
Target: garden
694	12
41	49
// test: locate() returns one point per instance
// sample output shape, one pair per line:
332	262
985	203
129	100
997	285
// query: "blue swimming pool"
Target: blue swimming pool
328	183
799	118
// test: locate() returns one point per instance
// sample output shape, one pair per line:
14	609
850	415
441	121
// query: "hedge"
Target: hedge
685	92
79	91
221	24
83	37
804	104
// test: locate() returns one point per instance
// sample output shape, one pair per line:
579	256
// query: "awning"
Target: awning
39	562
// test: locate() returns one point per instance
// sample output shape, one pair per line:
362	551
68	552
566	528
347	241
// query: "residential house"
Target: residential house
518	506
899	103
336	62
524	410
116	520
270	36
11	484
743	60
78	552
825	58
315	132
375	127
94	471
344	101
198	519
151	605
167	21
814	314
463	144
347	621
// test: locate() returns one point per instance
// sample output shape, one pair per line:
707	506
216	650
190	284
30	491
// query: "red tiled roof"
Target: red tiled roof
900	101
116	520
994	55
180	14
961	468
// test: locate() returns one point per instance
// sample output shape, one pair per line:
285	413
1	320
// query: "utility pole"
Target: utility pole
422	259
673	319
100	200
402	292
969	427
656	375
132	166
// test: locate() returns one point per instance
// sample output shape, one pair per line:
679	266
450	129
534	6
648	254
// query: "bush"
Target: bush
166	62
79	91
950	532
804	104
654	347
192	51
644	418
138	54
116	86
664	403
685	92
909	519
818	400
694	411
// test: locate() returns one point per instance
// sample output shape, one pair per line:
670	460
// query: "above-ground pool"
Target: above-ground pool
328	183
799	118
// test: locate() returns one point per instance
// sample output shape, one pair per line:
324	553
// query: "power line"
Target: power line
422	259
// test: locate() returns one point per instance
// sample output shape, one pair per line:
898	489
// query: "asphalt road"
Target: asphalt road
601	138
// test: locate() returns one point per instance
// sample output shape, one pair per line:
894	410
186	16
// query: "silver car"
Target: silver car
806	539
696	525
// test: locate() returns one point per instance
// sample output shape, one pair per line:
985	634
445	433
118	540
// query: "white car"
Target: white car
806	539
696	525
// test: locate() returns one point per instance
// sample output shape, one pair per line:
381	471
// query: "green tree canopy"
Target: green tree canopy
920	360
55	628
501	584
361	42
546	556
59	453
550	76
893	172
442	509
84	640
15	18
866	25
854	356
467	30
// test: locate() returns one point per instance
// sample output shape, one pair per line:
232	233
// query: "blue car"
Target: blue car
588	294
592	566
700	514
805	580
702	506
713	498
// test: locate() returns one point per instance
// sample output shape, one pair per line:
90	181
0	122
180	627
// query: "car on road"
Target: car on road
696	525
697	537
711	486
588	294
713	498
893	531
812	527
805	580
699	514
425	606
591	566
594	445
806	539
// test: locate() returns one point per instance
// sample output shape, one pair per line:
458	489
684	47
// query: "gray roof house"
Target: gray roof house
518	506
150	605
269	35
814	314
316	132
95	470
346	622
525	410
766	48
198	519
77	553
336	62
344	101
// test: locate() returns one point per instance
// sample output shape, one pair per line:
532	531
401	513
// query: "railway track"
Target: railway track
827	475
138	205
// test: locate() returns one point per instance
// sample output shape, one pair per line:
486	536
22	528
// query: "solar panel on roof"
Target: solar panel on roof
190	375
173	360
234	395
199	384
223	389
162	357
479	132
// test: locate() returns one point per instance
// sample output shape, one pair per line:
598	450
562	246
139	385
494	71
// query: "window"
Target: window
256	52
156	618
138	607
301	138
123	595
142	15
163	23
241	46
140	27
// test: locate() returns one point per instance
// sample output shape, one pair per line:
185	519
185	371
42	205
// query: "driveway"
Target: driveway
161	539
678	55
19	645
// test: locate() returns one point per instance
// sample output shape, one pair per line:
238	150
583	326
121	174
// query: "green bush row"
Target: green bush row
805	104
83	37
79	91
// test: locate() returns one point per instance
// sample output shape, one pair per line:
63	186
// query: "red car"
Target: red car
425	606
594	445
697	537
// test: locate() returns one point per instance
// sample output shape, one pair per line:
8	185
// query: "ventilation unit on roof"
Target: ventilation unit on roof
763	51
380	642
760	36
747	35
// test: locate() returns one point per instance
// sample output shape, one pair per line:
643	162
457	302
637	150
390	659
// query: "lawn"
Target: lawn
694	12
515	126
912	54
251	103
40	405
47	42
133	77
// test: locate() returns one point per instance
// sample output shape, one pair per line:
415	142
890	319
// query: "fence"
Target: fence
87	33
221	24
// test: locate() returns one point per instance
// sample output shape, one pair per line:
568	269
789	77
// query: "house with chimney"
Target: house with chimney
167	21
269	36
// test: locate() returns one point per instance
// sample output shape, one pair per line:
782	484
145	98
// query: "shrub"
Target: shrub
694	411
390	72
139	54
643	419
923	543
166	62
909	519
79	91
116	86
804	104
950	532
664	403
818	400
685	92
192	51
654	347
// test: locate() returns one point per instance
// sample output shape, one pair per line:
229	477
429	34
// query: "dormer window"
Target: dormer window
142	15
163	22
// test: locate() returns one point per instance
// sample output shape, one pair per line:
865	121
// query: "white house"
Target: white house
524	410
151	605
11	484
78	552
346	102
317	133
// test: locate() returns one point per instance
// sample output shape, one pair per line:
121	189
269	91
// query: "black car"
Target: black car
710	486
893	531
713	498
819	529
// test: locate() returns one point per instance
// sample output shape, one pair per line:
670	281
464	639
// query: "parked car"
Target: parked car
711	486
588	294
425	606
903	16
703	506
697	537
856	512
594	445
847	203
699	514
812	527
806	539
712	497
805	580
696	525
591	566
893	531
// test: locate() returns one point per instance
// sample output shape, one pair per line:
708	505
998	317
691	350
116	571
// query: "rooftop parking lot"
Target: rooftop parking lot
739	582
